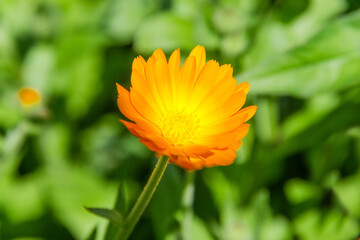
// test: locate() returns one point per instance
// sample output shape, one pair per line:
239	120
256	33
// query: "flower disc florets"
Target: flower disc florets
179	129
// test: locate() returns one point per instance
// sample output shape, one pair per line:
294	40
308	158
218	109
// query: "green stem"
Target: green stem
143	200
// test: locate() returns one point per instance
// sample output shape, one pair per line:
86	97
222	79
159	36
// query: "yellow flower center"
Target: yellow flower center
178	128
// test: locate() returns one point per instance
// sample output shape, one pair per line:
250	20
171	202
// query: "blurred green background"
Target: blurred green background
297	175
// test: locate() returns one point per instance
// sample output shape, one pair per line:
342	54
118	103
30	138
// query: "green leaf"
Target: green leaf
232	45
92	235
197	11
122	200
282	35
166	202
130	12
332	225
78	72
267	119
328	63
126	195
348	192
166	31
228	20
325	160
87	187
110	214
316	109
38	67
199	230
298	191
342	118
204	34
14	192
225	194
278	228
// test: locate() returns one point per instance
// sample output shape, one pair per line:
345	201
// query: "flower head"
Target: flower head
29	96
191	113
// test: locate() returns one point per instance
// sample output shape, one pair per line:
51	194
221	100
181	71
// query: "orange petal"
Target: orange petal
230	107
164	83
159	141
147	126
176	151
174	69
186	163
221	157
139	64
150	145
216	97
223	140
196	150
131	127
225	72
143	131
139	83
242	131
245	87
227	125
156	141
125	105
152	114
151	82
186	82
235	145
159	55
199	53
174	62
250	111
203	84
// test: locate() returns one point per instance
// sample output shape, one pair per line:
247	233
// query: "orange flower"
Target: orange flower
28	96
191	113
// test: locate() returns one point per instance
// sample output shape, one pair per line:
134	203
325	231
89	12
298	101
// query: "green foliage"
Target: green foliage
330	225
328	63
110	214
348	191
297	175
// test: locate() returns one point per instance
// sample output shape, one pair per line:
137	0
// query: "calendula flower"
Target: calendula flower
191	113
29	96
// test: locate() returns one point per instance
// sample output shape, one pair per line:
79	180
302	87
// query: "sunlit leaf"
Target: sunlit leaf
320	66
348	192
130	12
298	191
164	30
110	214
331	225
